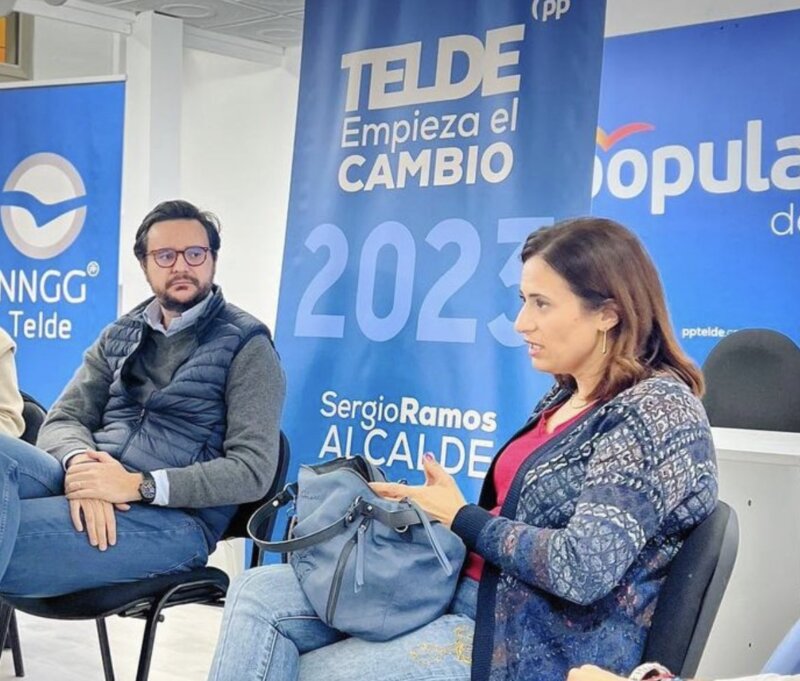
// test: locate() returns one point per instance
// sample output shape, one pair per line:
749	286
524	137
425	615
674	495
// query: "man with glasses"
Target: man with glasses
171	422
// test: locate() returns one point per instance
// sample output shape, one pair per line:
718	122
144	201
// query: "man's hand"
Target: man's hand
98	518
78	459
439	497
98	475
589	672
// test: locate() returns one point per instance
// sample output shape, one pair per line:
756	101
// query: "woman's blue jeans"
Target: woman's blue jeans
42	554
271	633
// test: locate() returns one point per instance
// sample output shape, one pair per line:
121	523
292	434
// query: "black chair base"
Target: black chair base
145	599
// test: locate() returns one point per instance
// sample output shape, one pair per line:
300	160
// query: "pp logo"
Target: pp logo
542	10
43	205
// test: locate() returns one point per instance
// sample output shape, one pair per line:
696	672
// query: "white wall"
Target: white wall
236	155
636	16
62	50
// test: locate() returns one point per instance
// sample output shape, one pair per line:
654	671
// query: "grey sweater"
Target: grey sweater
254	397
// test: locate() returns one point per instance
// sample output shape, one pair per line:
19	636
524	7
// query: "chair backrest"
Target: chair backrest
753	381
238	525
692	592
34	414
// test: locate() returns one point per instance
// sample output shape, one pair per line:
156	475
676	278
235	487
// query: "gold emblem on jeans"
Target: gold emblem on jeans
460	649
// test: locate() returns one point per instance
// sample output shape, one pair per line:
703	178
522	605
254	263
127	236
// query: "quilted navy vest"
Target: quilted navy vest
184	422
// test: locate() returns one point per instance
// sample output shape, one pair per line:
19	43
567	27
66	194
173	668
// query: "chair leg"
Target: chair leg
148	641
105	648
6	612
16	648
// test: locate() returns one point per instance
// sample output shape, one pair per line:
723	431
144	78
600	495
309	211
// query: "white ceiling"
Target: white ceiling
241	25
276	22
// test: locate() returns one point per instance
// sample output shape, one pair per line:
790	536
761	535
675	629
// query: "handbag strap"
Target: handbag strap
397	520
263	512
434	542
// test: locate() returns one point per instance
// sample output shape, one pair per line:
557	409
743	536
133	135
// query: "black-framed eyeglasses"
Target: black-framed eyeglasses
166	257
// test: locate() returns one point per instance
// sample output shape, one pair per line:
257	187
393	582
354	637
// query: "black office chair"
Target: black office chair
147	598
34	414
753	381
692	592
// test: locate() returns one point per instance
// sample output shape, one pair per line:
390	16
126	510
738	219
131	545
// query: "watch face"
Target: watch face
148	489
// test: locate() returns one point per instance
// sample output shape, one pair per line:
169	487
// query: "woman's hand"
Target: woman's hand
439	497
589	672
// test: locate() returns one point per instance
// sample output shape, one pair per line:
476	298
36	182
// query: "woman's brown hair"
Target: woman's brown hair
605	264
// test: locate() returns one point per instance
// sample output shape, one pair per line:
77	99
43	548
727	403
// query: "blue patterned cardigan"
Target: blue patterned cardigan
575	561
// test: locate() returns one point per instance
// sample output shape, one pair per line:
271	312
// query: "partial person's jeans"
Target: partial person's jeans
271	633
785	660
42	554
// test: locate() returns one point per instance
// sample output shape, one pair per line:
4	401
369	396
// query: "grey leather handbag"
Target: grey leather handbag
370	567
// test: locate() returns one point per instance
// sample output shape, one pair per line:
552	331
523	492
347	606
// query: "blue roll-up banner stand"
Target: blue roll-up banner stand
698	150
432	138
60	183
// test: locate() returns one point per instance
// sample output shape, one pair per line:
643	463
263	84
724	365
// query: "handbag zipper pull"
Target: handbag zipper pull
362	529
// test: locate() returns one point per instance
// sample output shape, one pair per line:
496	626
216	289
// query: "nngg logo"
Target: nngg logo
43	205
670	170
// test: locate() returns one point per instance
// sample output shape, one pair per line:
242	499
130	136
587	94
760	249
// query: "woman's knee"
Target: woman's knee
439	651
270	593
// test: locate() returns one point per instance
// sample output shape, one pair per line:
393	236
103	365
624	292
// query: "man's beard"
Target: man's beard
172	304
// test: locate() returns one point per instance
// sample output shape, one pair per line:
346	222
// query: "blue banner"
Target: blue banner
698	150
60	179
432	138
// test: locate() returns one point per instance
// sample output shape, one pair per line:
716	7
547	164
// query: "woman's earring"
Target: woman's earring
604	348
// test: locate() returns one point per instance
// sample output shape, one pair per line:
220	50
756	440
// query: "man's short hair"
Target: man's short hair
177	209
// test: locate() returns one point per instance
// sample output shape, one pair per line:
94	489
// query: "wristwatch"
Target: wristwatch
147	488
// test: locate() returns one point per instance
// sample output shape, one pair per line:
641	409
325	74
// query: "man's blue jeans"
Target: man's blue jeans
271	633
42	554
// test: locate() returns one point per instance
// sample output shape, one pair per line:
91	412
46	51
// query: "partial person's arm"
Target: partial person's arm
766	677
254	396
636	477
589	672
11	422
78	412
